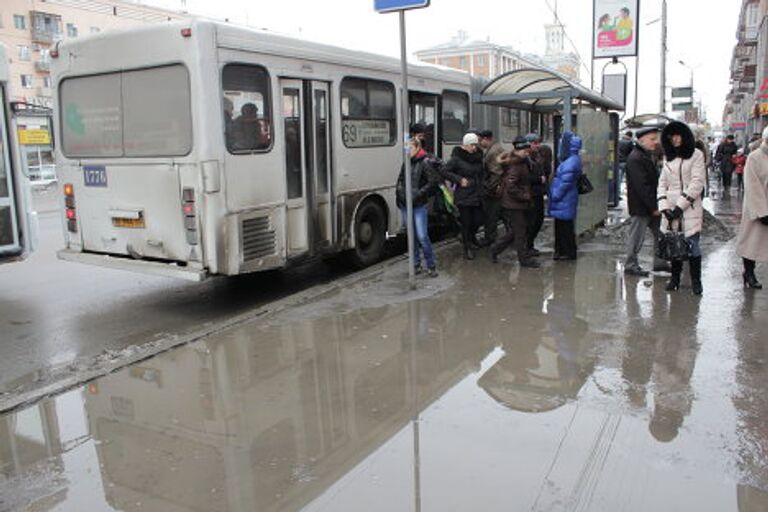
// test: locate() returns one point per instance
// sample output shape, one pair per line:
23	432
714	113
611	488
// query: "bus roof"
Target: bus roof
261	41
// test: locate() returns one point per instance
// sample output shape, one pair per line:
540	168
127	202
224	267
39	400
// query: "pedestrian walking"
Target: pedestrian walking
723	155
515	201
680	194
564	197
739	161
752	244
492	172
465	170
642	182
424	184
541	171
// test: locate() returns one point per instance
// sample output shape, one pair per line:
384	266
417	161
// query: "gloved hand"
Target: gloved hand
677	212
764	220
668	215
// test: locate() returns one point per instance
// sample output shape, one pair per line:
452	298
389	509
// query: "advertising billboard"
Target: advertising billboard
615	28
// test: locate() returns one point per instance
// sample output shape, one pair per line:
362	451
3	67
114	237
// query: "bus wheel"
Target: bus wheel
370	234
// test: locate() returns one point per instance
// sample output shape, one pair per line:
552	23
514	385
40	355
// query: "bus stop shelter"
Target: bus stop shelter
584	111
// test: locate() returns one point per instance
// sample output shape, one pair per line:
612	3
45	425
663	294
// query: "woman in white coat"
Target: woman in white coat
681	191
752	245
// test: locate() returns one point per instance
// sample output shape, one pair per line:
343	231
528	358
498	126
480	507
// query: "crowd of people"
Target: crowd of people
666	171
489	184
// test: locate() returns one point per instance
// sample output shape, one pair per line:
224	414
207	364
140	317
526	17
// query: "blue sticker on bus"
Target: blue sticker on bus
95	175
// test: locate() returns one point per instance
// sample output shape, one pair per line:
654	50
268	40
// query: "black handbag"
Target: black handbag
585	186
674	245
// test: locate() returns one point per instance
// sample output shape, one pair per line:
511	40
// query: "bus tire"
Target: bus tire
370	234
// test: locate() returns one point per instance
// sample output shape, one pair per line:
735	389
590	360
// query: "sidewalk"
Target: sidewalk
489	388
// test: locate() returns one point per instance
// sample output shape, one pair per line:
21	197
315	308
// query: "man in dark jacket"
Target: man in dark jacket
642	182
724	154
541	170
515	201
424	184
492	172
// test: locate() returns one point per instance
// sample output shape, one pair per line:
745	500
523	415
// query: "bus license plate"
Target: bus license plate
128	223
95	175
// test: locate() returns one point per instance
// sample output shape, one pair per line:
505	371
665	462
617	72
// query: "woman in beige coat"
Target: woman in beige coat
752	245
681	191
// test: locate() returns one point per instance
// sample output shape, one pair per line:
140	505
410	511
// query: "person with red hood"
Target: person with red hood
424	182
739	161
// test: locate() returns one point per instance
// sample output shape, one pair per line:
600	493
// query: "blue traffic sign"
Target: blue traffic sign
398	5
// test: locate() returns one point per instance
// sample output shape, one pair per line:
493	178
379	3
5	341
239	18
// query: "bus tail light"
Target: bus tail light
186	32
69	207
190	214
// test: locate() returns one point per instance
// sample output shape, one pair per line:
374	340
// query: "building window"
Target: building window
19	21
47	82
462	62
71	30
368	113
481	60
26	81
23	51
95	30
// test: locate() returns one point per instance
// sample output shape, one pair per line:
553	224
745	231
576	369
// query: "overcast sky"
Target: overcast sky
702	34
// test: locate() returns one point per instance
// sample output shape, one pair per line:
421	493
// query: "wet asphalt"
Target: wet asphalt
569	388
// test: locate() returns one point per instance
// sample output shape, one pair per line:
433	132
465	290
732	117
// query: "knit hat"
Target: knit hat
469	139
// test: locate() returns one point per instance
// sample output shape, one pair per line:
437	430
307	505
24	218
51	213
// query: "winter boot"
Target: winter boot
695	264
468	254
674	282
750	280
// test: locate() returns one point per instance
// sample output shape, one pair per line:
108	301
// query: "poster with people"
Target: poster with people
615	28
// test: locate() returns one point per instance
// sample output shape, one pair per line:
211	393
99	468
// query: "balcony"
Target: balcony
46	28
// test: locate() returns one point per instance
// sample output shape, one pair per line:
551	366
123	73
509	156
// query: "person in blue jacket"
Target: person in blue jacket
564	197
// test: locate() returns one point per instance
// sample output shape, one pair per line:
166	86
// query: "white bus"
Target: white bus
17	221
200	148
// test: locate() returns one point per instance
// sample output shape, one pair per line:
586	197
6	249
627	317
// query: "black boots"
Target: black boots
677	270
467	242
695	264
750	281
674	283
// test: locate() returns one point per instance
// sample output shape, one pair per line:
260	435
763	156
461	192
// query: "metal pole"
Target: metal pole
663	91
407	157
637	83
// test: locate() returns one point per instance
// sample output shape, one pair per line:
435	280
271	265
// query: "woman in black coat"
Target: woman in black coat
465	170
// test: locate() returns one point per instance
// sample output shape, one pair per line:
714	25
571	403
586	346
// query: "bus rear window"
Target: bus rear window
129	114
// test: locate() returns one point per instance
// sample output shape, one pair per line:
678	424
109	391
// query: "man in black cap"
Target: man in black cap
642	182
541	170
515	201
492	172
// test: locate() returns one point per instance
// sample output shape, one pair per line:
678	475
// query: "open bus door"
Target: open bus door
16	240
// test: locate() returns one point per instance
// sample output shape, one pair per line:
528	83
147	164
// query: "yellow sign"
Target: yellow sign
34	137
763	109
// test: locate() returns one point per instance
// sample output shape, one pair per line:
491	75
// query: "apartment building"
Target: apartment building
30	28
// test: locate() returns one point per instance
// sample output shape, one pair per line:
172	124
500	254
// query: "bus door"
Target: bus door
306	127
9	232
423	110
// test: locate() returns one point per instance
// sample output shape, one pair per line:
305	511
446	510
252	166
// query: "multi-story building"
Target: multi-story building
746	108
487	60
482	59
30	28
